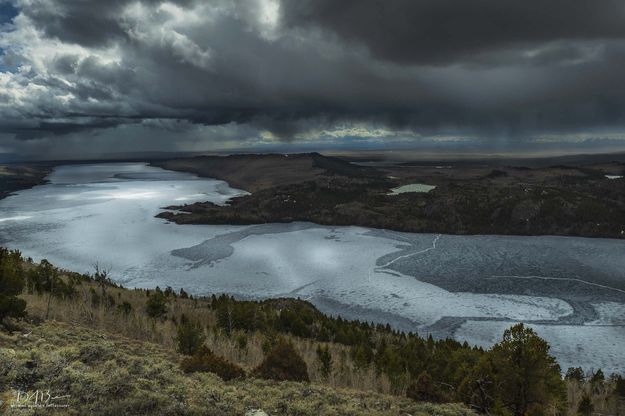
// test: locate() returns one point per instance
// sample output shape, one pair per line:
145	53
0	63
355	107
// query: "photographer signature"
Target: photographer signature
38	399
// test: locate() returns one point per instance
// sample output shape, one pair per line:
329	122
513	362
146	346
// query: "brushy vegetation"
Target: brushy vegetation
283	363
423	389
287	339
205	360
105	374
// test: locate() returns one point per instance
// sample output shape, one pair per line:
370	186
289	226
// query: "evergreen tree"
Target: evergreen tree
575	373
11	285
597	381
156	305
362	355
478	388
189	336
325	360
597	377
40	278
527	377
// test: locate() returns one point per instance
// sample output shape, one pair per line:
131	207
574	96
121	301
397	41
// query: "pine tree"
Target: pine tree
189	336
325	360
528	377
156	305
575	373
598	377
11	285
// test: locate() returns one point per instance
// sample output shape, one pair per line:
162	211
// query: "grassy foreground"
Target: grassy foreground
107	374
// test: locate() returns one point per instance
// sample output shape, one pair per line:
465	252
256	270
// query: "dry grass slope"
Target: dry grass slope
107	374
137	325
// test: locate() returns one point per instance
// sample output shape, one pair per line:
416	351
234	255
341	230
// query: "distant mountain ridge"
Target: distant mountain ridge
253	172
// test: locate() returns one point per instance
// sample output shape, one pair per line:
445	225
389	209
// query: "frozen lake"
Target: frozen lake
571	290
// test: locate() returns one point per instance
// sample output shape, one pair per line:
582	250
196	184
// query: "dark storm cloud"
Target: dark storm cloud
440	31
484	68
86	23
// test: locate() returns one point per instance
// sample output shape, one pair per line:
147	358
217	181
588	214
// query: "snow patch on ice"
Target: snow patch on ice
413	187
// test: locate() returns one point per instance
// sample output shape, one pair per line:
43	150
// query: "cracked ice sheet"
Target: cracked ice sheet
339	269
610	313
591	347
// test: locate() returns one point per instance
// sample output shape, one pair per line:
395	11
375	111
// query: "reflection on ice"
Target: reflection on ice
16	218
128	194
192	197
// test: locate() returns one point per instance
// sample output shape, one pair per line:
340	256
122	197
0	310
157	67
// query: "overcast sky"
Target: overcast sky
88	77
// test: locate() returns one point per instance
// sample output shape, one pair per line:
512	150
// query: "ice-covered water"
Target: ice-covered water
571	290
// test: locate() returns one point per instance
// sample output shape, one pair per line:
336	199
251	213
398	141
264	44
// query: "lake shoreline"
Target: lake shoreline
17	177
575	201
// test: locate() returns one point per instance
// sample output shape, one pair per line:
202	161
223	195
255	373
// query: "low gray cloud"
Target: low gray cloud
245	73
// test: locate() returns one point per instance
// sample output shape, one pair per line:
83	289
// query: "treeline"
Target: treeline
18	275
517	376
15	278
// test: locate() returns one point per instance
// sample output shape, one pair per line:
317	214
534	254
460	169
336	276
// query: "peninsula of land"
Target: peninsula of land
584	197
